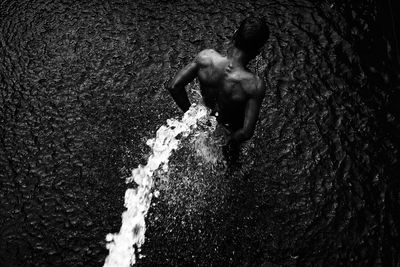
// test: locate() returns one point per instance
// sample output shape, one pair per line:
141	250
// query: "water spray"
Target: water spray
126	243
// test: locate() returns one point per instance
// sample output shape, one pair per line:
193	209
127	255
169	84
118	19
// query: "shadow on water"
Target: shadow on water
81	92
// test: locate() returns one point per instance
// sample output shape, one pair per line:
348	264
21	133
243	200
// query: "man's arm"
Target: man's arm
252	110
177	86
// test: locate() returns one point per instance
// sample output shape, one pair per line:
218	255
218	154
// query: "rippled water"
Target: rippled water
82	90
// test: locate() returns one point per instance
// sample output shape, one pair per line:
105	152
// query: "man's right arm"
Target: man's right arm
252	110
177	86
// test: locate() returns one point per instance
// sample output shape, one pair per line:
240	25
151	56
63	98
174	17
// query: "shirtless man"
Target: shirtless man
229	89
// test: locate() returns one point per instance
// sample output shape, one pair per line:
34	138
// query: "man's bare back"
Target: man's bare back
228	88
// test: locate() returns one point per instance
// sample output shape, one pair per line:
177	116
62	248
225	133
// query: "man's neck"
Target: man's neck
238	57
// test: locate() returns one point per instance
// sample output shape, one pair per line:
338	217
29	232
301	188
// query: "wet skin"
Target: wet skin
228	88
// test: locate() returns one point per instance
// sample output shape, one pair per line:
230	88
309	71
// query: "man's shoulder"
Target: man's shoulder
208	52
206	56
254	85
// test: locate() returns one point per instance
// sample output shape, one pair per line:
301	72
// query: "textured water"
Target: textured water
81	86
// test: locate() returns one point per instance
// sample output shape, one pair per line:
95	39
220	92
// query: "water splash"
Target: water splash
121	245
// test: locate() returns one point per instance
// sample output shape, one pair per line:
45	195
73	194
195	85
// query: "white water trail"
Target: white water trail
121	245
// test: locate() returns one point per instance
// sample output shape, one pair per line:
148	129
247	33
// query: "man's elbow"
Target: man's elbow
247	135
242	135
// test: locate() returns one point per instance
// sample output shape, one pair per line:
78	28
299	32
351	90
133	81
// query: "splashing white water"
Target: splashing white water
137	201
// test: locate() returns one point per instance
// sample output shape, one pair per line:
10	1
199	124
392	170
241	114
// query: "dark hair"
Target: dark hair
252	34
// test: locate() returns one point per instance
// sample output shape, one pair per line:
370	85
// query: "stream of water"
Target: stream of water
125	245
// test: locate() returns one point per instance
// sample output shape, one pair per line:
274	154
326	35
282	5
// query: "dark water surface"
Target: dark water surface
81	87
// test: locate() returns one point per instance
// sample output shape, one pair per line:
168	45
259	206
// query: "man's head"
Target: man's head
251	36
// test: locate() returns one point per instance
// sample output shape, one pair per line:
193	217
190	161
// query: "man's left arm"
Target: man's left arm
176	87
252	110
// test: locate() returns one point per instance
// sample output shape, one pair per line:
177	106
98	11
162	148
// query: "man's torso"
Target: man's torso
225	88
